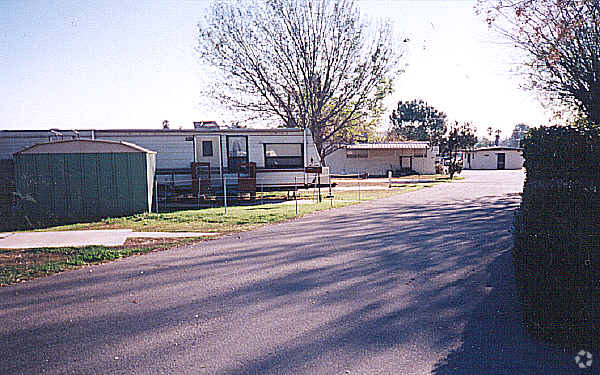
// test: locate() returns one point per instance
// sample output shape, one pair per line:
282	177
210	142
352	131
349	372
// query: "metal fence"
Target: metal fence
223	191
171	194
179	192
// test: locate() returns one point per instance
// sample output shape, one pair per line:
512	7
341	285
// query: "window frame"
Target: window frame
420	153
300	157
212	151
360	153
236	160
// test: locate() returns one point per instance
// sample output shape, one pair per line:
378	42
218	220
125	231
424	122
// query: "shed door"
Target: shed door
501	161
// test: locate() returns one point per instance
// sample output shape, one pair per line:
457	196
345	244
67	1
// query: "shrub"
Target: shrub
557	234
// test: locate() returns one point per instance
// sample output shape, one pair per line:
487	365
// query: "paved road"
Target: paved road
414	284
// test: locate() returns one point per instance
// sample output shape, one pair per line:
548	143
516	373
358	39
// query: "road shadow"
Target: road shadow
332	291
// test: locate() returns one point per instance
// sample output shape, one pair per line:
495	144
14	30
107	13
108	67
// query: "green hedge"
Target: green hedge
565	153
557	234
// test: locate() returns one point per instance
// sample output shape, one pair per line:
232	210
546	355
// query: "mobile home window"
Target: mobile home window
284	155
356	154
419	153
207	148
379	153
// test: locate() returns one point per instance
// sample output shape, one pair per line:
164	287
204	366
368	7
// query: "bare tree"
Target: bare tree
563	39
309	64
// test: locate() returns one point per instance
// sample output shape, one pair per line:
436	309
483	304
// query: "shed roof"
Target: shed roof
388	146
498	148
83	146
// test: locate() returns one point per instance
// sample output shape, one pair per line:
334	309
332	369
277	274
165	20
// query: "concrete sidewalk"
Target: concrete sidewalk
76	238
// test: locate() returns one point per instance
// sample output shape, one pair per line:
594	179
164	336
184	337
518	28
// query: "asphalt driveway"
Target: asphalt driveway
418	283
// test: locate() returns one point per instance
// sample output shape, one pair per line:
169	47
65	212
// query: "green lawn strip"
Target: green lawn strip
45	261
368	191
238	218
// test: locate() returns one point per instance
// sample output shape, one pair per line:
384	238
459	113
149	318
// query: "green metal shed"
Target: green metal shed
84	178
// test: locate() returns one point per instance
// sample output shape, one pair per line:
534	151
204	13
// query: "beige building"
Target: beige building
377	159
493	158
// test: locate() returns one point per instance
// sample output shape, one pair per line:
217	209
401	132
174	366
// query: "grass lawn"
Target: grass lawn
24	264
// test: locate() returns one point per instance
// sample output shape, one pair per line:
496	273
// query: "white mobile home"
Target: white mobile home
377	159
279	155
493	158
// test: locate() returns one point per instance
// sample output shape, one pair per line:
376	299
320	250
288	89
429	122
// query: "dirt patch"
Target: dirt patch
25	258
147	242
366	183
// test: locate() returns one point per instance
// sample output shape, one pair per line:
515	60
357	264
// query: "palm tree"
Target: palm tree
498	132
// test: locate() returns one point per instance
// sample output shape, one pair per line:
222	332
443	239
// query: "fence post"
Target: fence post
262	191
319	186
198	192
389	179
330	192
156	193
225	194
296	194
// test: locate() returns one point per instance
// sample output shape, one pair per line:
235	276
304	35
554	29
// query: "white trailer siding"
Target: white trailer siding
172	148
213	159
177	149
268	177
488	159
377	162
14	141
173	151
256	145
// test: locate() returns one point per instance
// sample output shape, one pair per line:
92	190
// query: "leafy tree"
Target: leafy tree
417	121
309	64
517	135
562	39
460	137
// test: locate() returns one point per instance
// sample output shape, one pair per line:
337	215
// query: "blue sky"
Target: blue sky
113	64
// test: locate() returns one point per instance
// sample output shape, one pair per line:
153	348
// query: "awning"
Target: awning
389	146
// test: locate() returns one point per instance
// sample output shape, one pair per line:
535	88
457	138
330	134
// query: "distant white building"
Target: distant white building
377	159
493	158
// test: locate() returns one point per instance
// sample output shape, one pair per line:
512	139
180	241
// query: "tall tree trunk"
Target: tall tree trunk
594	108
322	156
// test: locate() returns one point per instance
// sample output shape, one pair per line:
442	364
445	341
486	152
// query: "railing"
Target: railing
228	189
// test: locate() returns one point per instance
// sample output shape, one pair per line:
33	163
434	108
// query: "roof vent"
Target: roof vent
55	135
206	125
